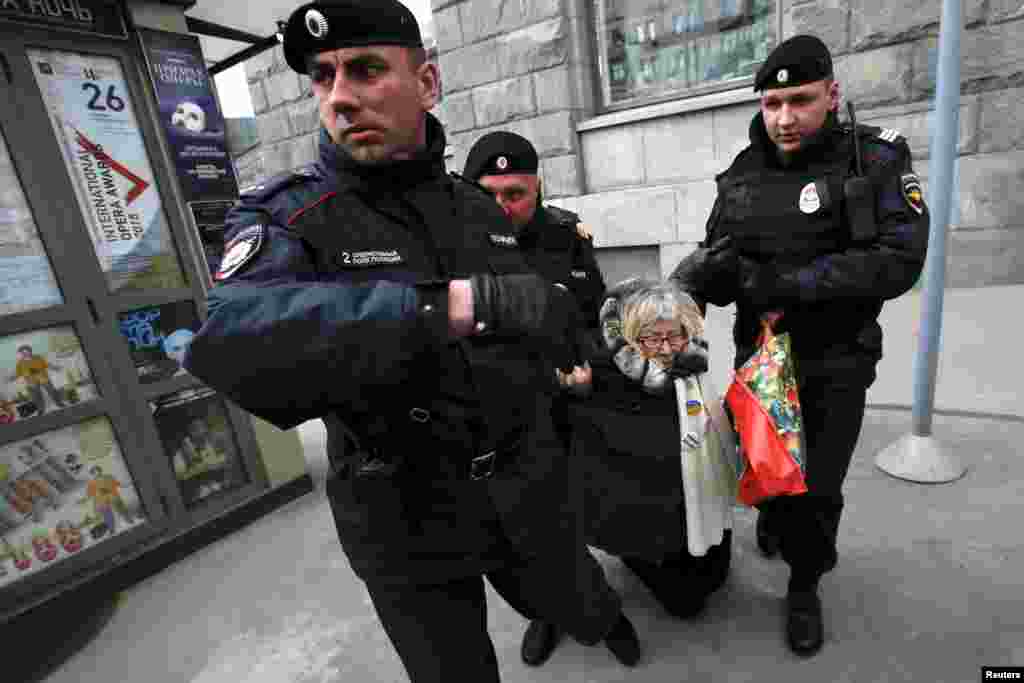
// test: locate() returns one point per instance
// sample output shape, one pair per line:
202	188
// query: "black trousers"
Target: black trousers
440	630
807	525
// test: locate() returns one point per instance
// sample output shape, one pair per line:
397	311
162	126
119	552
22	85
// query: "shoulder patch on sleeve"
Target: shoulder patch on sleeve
584	232
910	185
240	250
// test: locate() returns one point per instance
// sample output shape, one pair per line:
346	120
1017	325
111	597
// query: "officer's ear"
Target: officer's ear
832	92
428	77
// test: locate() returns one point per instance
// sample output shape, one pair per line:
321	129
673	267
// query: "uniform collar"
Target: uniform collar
397	175
536	227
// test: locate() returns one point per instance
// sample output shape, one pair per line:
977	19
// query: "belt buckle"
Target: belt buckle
482	466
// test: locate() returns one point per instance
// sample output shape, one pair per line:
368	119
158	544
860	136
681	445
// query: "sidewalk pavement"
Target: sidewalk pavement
930	585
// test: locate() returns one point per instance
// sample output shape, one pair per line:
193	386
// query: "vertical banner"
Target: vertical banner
190	115
95	123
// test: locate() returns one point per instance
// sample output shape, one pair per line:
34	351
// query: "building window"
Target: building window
654	49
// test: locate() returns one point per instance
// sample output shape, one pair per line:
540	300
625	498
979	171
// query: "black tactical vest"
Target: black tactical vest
785	215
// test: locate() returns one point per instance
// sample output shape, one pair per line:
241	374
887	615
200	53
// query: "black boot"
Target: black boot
767	540
623	642
805	631
539	641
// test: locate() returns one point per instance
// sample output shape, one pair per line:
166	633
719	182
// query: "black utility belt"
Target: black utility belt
453	460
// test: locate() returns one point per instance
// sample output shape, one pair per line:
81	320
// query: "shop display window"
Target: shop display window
157	337
60	493
199	443
651	49
42	371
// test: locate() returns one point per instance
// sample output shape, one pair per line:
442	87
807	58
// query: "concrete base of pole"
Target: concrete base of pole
921	459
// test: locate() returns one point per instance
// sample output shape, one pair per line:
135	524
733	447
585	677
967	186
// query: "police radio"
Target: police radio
860	195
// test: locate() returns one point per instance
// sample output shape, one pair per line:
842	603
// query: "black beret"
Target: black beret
500	153
333	24
796	61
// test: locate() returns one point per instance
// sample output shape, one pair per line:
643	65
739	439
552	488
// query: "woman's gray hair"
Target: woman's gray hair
647	305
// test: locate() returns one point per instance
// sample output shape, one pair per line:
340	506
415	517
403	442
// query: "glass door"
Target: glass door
100	294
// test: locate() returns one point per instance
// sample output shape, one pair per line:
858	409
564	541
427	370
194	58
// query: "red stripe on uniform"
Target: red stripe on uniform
295	216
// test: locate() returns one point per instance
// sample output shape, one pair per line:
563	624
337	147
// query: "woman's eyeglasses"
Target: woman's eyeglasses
676	342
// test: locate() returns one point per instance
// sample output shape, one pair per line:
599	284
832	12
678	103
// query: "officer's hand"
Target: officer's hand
692	361
579	381
700	268
764	285
512	305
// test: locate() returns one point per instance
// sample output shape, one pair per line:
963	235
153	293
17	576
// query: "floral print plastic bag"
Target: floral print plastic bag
765	404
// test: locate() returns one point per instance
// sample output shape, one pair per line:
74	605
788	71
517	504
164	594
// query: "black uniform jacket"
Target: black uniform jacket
793	223
324	321
554	249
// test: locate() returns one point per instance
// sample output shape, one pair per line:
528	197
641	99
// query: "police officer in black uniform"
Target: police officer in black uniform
559	247
371	290
822	222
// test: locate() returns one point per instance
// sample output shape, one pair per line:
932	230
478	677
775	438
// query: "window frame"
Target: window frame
604	105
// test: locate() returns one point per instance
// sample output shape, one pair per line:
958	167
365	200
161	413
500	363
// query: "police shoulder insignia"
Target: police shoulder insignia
584	232
912	193
240	251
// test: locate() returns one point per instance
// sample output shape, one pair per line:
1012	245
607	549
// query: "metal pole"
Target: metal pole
918	456
943	157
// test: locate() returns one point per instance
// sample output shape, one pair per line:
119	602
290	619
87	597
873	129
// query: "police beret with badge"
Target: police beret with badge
500	153
334	24
796	61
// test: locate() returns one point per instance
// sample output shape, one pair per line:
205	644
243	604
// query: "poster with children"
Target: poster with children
60	493
42	371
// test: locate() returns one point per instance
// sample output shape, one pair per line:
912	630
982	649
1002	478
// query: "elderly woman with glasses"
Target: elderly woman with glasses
654	452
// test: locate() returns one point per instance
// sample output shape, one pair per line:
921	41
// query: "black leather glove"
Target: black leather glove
692	361
528	305
765	285
697	271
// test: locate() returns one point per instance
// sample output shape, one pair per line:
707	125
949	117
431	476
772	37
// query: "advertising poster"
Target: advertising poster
211	220
190	116
157	338
105	154
42	371
198	441
27	282
60	493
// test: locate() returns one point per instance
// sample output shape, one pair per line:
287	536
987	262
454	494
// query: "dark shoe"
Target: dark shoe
767	541
681	598
539	641
805	631
623	643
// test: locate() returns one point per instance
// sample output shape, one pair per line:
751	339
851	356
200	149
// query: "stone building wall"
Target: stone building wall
286	119
643	179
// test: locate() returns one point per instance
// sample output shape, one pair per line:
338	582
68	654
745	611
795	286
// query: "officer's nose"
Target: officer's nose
342	97
786	117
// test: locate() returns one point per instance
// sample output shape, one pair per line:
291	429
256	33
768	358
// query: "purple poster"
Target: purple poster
190	116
